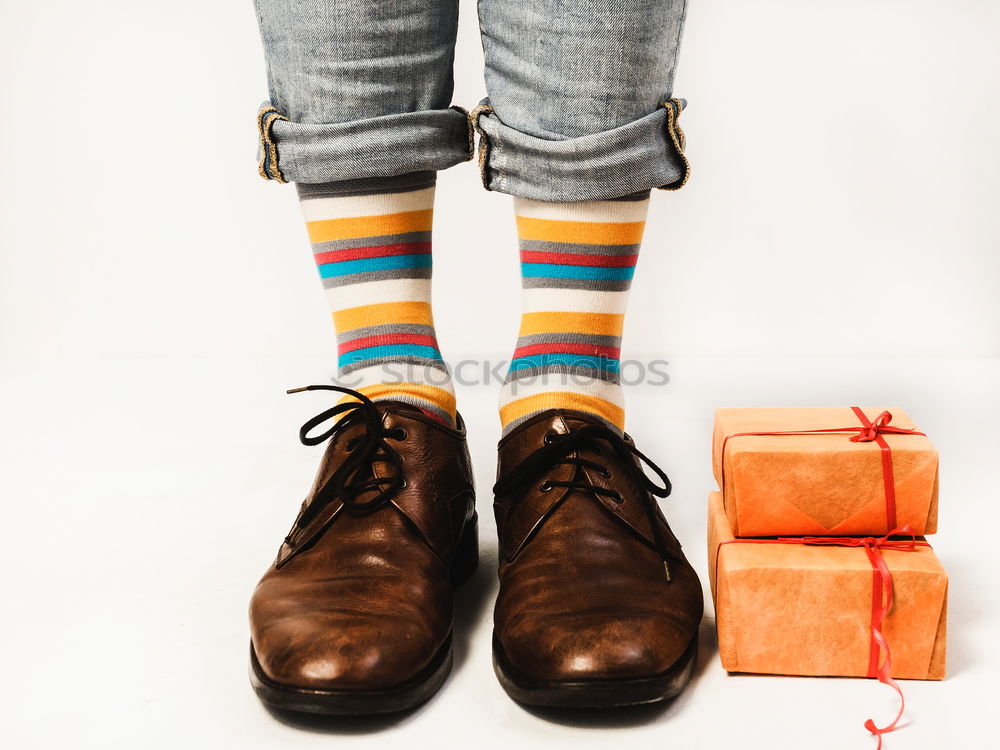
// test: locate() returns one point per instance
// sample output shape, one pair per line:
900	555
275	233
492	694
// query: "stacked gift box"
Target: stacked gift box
818	559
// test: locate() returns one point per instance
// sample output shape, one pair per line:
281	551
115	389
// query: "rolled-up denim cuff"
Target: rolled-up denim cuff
646	153
376	147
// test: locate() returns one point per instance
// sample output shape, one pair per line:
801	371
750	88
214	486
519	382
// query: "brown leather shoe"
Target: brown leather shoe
598	605
355	615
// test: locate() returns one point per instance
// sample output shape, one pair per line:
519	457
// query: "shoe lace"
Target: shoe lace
556	450
355	476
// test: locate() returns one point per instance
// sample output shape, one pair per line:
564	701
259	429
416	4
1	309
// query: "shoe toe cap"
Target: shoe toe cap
367	656
596	647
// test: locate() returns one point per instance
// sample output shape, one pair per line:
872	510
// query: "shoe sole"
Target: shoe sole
388	700
595	693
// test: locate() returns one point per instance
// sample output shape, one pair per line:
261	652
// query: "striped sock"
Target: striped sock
372	244
577	261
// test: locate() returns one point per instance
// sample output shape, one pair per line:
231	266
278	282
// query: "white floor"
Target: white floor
142	500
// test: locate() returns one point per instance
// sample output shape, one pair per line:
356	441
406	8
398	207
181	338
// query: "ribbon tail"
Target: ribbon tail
885	679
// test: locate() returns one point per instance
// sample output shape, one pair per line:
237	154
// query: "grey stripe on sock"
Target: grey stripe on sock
402	183
597	285
385	330
640	196
548	246
568	338
382	239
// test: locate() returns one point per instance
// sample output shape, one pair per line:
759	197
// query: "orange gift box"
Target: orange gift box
802	609
835	475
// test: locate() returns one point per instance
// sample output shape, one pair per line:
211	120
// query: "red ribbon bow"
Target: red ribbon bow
881	599
871	431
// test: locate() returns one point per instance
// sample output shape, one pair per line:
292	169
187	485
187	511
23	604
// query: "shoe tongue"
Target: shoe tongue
528	437
384	405
396	406
564	419
575	420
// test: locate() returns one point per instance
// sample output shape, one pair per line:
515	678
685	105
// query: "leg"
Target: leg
577	262
576	129
365	88
359	89
355	614
579	104
597	605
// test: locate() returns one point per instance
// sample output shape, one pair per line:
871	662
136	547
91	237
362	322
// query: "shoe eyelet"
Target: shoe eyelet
549	438
617	498
398	433
545	486
402	484
605	473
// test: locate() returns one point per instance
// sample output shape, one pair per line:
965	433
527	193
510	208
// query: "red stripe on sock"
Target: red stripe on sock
436	417
373	251
611	352
387	339
579	259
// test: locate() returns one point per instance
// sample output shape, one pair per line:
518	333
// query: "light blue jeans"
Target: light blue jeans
579	103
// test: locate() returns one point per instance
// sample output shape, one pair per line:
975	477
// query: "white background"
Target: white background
837	244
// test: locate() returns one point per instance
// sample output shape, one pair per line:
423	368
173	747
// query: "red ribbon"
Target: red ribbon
881	598
870	432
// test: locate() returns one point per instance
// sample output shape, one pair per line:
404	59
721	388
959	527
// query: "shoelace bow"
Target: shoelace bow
354	477
556	451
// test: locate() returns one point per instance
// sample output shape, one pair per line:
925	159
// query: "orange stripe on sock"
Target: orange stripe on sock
562	400
580	232
370	226
384	313
411	392
598	324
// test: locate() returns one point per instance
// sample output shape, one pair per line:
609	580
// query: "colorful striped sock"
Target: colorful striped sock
372	244
577	261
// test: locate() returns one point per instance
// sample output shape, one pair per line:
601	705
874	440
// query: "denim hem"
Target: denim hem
377	147
646	153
